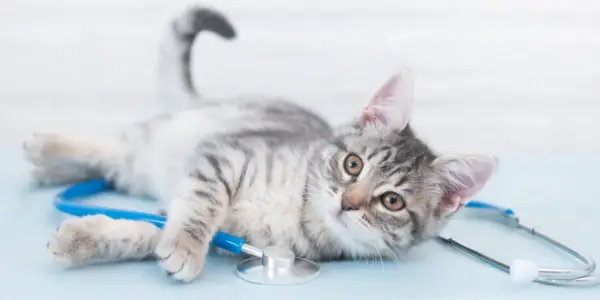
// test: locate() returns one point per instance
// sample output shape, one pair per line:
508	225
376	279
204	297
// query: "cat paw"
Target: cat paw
42	149
76	241
223	252
57	175
46	153
182	257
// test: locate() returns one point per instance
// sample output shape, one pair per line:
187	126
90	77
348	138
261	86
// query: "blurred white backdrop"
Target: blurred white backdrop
504	76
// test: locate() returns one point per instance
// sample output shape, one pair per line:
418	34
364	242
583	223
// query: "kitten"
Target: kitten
263	169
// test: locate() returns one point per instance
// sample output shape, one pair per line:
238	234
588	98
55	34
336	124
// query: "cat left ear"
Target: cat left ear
462	178
392	103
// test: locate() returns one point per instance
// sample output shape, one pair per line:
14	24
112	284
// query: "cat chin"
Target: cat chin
344	226
358	242
328	208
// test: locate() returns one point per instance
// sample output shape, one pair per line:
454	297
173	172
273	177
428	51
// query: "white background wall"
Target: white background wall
506	76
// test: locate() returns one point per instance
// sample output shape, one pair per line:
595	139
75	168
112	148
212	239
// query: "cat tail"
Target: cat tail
175	79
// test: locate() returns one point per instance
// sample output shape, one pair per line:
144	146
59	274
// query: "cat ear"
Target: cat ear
462	177
392	103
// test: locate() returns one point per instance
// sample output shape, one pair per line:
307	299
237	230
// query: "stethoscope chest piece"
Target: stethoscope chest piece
277	267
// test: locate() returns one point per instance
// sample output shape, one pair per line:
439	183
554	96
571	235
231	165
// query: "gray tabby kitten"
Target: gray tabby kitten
263	169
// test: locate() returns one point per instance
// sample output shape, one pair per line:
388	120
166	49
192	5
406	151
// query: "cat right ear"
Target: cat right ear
392	103
462	177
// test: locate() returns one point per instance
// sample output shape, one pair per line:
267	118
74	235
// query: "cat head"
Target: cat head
379	187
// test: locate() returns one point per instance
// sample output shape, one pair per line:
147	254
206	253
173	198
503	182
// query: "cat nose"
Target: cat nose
354	197
349	203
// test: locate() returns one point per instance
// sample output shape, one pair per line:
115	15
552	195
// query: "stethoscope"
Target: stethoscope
522	270
276	267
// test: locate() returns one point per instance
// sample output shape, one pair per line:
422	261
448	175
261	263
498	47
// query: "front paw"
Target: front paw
182	256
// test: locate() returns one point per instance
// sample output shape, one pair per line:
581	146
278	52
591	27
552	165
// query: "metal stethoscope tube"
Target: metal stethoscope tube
550	276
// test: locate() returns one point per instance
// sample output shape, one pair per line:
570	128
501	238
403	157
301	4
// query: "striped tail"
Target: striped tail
175	79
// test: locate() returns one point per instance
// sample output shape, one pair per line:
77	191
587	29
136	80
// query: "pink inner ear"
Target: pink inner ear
465	180
368	116
374	110
454	200
387	90
457	197
470	188
392	103
451	203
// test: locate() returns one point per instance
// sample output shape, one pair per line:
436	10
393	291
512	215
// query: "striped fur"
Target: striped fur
264	169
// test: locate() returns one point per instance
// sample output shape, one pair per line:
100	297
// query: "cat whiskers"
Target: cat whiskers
394	257
390	247
380	257
392	250
361	223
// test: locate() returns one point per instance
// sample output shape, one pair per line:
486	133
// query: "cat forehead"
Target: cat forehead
381	145
363	141
401	160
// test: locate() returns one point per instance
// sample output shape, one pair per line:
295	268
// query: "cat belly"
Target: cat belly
160	156
269	219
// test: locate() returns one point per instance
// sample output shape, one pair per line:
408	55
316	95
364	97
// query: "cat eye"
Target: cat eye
392	201
353	165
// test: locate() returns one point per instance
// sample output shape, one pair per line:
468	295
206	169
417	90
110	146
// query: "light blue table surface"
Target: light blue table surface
558	194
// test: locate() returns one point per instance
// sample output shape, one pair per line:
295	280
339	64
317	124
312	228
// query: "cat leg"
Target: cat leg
61	160
195	214
218	251
100	239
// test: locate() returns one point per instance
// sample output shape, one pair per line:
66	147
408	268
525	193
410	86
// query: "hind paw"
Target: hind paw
58	175
43	149
48	153
77	241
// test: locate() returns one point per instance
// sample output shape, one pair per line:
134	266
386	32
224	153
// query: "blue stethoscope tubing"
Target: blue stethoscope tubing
66	203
